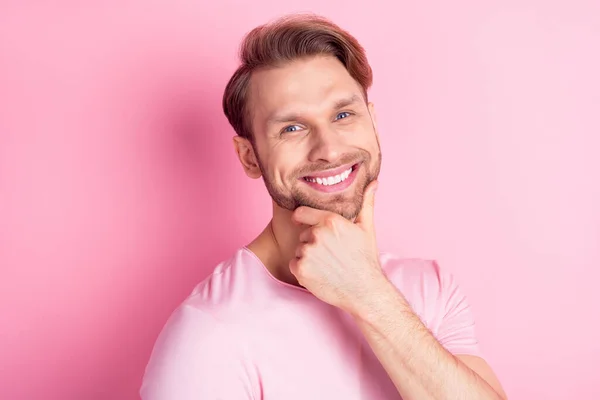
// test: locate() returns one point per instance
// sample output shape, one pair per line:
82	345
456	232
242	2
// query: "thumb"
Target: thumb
366	215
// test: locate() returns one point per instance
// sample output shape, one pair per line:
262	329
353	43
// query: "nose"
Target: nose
326	146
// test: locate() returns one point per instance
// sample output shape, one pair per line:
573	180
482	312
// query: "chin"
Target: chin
348	210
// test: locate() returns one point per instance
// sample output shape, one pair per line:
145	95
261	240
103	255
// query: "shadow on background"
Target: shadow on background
188	139
118	193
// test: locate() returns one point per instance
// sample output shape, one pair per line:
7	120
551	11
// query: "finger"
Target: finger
307	235
366	215
293	266
299	253
309	216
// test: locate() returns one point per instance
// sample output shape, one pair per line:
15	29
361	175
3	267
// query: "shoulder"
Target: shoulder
428	288
207	314
412	274
199	352
194	357
229	289
189	343
437	299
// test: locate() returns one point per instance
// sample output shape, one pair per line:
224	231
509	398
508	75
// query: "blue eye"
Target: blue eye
290	128
345	115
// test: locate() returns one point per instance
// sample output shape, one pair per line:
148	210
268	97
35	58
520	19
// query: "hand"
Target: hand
338	260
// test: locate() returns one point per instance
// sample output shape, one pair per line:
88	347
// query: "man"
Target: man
311	309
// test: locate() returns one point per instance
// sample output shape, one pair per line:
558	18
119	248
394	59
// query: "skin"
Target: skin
302	125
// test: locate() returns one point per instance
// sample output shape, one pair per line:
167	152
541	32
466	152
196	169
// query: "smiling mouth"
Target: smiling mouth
324	179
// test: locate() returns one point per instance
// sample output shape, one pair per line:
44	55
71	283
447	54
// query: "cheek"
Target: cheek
373	147
286	164
281	172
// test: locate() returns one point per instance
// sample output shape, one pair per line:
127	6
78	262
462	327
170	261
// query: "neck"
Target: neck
276	245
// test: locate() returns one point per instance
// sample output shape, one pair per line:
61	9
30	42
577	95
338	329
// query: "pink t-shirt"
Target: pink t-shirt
242	334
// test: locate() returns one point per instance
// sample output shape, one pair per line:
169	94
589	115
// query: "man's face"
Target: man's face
315	138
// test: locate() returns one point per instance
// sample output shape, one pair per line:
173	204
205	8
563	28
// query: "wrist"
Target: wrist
375	295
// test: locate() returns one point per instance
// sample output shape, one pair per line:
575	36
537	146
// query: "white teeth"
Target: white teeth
331	180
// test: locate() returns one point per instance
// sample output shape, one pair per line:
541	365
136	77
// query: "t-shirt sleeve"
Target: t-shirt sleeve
194	358
456	331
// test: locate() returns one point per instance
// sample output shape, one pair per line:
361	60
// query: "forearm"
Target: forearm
420	367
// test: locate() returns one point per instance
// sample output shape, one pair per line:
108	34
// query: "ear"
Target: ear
373	118
245	152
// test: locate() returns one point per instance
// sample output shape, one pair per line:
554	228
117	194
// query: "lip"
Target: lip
330	172
338	187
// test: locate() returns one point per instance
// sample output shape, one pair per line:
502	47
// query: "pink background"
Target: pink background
120	190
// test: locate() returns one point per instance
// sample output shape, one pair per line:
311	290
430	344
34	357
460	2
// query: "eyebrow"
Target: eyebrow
287	117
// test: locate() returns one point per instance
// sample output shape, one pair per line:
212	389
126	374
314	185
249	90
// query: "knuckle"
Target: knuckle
311	234
301	251
317	233
330	222
304	250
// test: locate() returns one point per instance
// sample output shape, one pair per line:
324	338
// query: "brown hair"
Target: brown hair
285	40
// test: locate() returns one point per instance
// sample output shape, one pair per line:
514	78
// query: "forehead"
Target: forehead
306	85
